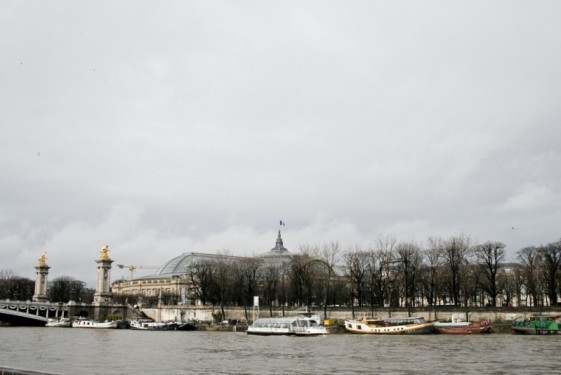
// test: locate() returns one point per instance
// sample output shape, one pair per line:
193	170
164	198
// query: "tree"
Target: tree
455	253
330	255
15	287
356	268
66	288
376	276
221	281
430	277
489	256
551	261
408	255
200	274
530	259
251	281
271	279
303	274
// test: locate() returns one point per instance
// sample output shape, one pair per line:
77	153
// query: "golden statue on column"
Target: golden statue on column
43	259
104	253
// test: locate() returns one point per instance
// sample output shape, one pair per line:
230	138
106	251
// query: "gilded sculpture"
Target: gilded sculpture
104	253
43	259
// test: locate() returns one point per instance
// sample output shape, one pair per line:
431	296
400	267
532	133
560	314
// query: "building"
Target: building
174	276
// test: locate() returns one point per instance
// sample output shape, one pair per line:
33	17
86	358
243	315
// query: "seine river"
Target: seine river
83	351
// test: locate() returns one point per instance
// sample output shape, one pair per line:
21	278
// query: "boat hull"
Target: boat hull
297	325
462	328
537	325
61	323
361	327
535	331
145	325
93	325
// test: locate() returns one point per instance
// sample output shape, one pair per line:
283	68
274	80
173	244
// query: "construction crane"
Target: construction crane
132	269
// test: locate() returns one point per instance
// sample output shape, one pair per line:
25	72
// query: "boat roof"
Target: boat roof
284	319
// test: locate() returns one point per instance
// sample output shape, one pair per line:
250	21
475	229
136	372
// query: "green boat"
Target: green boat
537	325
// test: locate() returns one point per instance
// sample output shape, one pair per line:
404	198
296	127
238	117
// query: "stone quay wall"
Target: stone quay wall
207	314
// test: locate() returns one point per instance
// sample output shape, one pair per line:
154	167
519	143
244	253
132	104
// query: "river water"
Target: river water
83	351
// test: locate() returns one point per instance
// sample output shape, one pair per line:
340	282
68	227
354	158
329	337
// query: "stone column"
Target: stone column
103	295
41	276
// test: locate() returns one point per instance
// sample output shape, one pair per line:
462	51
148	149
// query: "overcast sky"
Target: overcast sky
166	127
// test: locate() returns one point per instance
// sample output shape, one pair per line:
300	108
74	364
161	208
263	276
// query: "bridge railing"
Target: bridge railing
42	309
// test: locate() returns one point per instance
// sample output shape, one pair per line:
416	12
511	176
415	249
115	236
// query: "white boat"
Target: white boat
294	325
389	326
86	323
62	322
150	325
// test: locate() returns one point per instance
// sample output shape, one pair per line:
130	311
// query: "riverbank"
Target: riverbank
497	316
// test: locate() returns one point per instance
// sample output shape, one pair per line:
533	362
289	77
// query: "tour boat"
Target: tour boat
293	325
457	325
389	326
86	323
62	322
537	325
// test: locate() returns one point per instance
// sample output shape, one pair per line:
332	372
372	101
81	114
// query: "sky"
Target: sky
165	127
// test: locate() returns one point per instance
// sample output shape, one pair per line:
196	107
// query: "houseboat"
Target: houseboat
389	326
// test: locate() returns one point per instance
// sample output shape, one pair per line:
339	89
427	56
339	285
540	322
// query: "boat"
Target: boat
150	325
187	326
55	322
293	325
389	326
87	323
457	325
538	324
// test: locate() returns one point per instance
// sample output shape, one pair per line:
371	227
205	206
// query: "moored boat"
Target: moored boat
150	325
457	325
294	325
62	322
537	325
186	326
87	323
389	326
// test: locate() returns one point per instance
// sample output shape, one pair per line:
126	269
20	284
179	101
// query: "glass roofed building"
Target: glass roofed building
173	277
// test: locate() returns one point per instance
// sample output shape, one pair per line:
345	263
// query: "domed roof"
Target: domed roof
180	264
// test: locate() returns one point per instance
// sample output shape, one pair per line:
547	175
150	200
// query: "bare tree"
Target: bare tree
252	280
551	261
66	288
489	257
408	255
303	274
530	259
376	276
356	268
15	287
222	278
455	253
330	255
431	279
201	277
271	280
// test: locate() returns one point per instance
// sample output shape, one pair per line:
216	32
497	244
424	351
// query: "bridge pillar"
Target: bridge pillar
103	296
41	276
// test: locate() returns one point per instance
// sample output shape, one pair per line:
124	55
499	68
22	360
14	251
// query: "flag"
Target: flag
281	223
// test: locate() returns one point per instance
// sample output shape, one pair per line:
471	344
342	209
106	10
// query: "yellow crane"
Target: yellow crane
132	269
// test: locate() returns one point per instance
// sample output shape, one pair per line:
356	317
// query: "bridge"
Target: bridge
27	313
